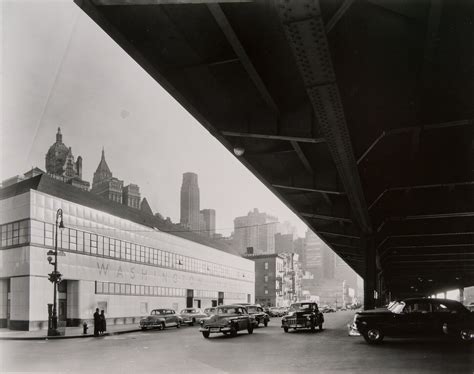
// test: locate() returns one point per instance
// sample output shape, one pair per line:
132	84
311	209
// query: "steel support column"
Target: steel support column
370	282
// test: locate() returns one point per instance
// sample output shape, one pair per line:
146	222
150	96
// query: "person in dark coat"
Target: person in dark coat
96	322
103	322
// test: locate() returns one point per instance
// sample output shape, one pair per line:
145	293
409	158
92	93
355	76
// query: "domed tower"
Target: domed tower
61	165
57	156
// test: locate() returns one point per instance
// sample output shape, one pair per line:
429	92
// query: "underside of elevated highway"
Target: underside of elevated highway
357	114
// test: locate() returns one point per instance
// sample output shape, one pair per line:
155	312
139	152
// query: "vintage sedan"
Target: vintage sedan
302	316
258	314
192	315
417	317
227	319
161	318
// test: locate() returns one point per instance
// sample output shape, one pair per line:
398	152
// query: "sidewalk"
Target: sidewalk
71	333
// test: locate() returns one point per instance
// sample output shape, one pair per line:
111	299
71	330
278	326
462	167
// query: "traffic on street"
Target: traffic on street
266	350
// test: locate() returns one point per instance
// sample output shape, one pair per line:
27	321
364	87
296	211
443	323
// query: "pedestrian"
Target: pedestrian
96	322
103	322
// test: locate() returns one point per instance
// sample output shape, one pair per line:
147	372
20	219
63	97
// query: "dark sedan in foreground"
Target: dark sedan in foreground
414	318
302	316
227	319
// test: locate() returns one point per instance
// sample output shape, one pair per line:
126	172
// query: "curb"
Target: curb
68	337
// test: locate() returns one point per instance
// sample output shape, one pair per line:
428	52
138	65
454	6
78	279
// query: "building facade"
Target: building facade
208	225
114	259
257	231
269	272
60	163
131	196
190	213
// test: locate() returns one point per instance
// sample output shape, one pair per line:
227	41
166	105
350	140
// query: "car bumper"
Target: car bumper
215	329
352	330
298	324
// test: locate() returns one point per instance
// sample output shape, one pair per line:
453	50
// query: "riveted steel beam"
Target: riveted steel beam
420	187
338	15
411	129
239	50
273	137
326	218
164	2
305	189
306	34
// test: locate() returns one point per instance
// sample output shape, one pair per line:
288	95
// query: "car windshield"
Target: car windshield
396	307
304	306
230	310
252	309
188	311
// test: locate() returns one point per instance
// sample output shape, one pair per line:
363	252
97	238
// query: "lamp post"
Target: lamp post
55	276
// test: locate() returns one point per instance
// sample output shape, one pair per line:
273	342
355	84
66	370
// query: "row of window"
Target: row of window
15	233
113	288
69	239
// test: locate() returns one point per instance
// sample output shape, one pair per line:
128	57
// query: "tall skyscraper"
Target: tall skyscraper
190	214
256	230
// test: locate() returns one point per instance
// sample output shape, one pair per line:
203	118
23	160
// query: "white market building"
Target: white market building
116	258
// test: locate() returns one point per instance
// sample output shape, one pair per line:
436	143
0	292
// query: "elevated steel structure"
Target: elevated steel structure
358	114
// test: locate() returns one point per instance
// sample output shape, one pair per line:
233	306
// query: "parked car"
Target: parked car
303	315
227	319
418	317
192	315
209	311
258	314
161	318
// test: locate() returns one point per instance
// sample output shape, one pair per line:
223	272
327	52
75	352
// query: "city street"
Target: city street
267	350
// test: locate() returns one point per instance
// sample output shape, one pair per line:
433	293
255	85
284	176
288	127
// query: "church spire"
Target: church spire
103	154
59	136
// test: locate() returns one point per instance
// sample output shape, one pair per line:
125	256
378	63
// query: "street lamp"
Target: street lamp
55	277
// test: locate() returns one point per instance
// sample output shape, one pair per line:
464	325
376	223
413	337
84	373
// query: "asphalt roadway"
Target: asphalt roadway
266	350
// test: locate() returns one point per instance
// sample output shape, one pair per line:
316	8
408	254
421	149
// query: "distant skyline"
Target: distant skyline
60	70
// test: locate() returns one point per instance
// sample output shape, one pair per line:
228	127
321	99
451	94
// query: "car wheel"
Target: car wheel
162	326
265	323
233	331
373	335
178	324
320	327
466	335
193	322
205	334
143	328
313	328
285	329
250	329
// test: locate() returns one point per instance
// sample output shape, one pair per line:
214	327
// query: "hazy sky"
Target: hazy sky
60	69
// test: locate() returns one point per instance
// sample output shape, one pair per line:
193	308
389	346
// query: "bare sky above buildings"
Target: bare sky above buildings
60	69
